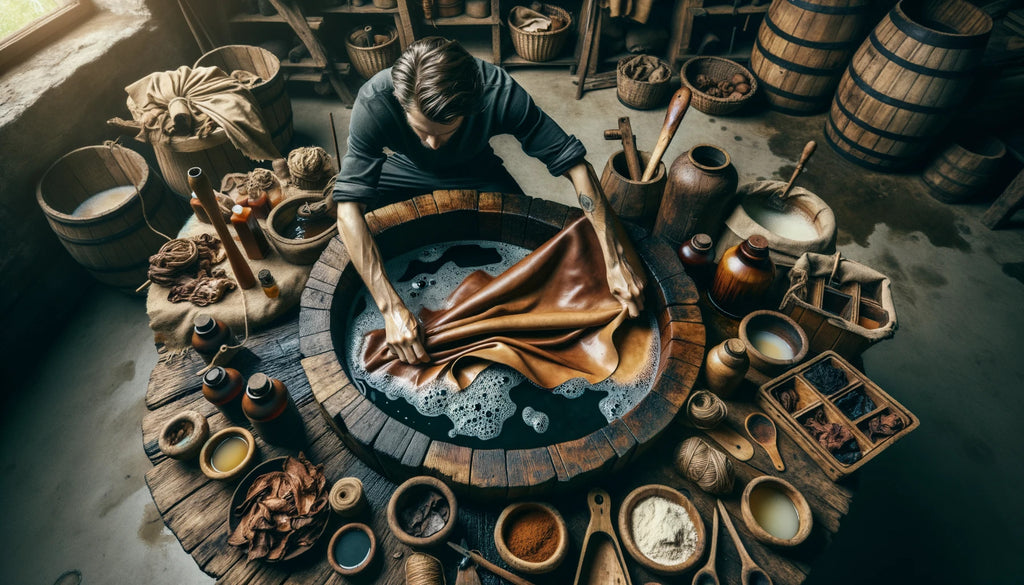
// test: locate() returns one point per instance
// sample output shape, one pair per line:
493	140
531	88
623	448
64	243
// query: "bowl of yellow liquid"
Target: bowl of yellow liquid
775	342
776	513
227	454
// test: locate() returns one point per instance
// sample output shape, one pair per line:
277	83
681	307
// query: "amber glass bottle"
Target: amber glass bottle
224	388
208	334
268	283
272	412
743	277
698	257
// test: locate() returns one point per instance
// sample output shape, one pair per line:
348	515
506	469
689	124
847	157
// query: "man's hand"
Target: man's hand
404	335
626	284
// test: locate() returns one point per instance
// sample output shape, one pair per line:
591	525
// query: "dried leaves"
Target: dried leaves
282	511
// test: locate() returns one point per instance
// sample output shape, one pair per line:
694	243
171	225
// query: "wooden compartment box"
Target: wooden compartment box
830	391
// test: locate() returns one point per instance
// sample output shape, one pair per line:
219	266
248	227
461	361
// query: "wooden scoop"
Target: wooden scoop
778	203
750	573
762	430
601	560
707	575
676	109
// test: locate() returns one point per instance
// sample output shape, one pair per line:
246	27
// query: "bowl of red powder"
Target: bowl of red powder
531	537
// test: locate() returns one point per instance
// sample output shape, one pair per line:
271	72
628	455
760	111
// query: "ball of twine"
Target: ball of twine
346	497
423	569
309	165
705	410
705	466
260	180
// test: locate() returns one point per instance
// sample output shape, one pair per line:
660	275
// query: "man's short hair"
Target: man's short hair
437	77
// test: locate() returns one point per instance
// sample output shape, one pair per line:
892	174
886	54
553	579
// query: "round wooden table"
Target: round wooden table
195	509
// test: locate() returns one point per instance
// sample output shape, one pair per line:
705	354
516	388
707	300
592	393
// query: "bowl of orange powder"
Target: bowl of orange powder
531	537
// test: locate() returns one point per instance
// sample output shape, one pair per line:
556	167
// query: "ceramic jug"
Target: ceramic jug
743	277
699	194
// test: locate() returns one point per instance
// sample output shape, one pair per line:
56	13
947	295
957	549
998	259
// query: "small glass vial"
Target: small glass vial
209	334
268	283
254	241
224	387
698	257
272	412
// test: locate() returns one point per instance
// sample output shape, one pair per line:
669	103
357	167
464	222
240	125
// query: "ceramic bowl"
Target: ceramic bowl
193	430
211	445
355	570
296	251
803	511
775	343
508	516
629	543
405	495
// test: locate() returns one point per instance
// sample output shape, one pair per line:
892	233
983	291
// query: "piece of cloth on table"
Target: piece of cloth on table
172	322
550	317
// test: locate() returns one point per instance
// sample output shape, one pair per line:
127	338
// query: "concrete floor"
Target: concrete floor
942	506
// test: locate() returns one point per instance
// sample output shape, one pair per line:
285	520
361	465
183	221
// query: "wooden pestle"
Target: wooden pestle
200	185
625	133
676	109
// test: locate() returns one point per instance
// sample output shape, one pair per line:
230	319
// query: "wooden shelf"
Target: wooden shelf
309	63
364	9
515	60
315	22
729	10
463	20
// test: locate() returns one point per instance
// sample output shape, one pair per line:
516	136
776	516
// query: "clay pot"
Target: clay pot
700	191
726	365
743	277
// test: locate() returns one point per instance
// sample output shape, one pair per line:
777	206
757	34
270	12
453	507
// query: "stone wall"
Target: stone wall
56	101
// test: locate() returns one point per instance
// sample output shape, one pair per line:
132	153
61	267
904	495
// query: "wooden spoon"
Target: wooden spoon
779	202
750	573
762	430
707	574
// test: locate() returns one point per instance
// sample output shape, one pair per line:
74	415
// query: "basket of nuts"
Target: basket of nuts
719	86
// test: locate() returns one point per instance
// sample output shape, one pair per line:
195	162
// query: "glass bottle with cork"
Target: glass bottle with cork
224	388
272	412
268	283
209	334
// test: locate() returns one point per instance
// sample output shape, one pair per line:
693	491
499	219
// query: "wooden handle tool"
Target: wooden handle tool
676	109
625	133
495	569
750	572
804	157
200	185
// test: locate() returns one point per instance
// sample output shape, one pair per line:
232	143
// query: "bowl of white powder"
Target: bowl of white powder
661	529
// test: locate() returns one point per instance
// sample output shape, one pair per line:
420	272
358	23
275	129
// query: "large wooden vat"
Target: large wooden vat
116	243
906	81
964	168
802	48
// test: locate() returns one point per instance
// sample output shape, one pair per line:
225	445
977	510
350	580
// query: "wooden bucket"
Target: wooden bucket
905	82
115	244
214	154
275	105
367	61
802	48
964	168
633	201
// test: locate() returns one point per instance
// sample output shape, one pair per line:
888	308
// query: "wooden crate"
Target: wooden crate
835	406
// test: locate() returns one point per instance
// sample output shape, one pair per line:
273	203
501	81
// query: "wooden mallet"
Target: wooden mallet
625	133
676	109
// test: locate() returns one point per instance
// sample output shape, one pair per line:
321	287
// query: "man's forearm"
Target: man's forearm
365	254
595	207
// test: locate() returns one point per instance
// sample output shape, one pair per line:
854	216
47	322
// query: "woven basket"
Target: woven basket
367	61
541	46
719	69
640	95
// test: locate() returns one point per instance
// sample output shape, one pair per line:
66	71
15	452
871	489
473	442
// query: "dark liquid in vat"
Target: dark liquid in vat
301	229
351	548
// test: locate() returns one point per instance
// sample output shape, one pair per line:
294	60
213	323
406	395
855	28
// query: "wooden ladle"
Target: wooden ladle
707	574
750	573
762	430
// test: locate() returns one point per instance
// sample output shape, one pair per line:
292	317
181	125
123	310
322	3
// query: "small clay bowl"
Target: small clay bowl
508	517
352	571
803	511
405	495
626	528
211	445
778	326
296	251
196	431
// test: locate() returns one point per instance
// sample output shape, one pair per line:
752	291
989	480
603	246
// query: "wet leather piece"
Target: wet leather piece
550	317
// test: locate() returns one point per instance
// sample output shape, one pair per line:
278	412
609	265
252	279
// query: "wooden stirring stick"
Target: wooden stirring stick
780	201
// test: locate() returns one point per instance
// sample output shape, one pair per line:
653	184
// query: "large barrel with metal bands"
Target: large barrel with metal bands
270	94
905	82
964	168
802	48
114	243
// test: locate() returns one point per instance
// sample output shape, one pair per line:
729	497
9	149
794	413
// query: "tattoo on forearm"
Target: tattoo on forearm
586	203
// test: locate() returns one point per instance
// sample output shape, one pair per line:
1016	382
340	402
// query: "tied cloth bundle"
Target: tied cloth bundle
705	466
647	69
186	266
282	511
533	19
310	167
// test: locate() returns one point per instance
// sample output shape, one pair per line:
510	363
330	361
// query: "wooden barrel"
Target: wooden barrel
635	201
802	48
214	154
905	82
115	243
964	168
367	61
275	105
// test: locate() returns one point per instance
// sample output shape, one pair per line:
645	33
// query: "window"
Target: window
27	25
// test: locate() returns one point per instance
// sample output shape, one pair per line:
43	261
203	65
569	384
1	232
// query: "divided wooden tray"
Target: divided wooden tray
837	408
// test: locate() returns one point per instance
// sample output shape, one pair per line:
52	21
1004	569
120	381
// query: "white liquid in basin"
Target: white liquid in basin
104	201
771	345
794	225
